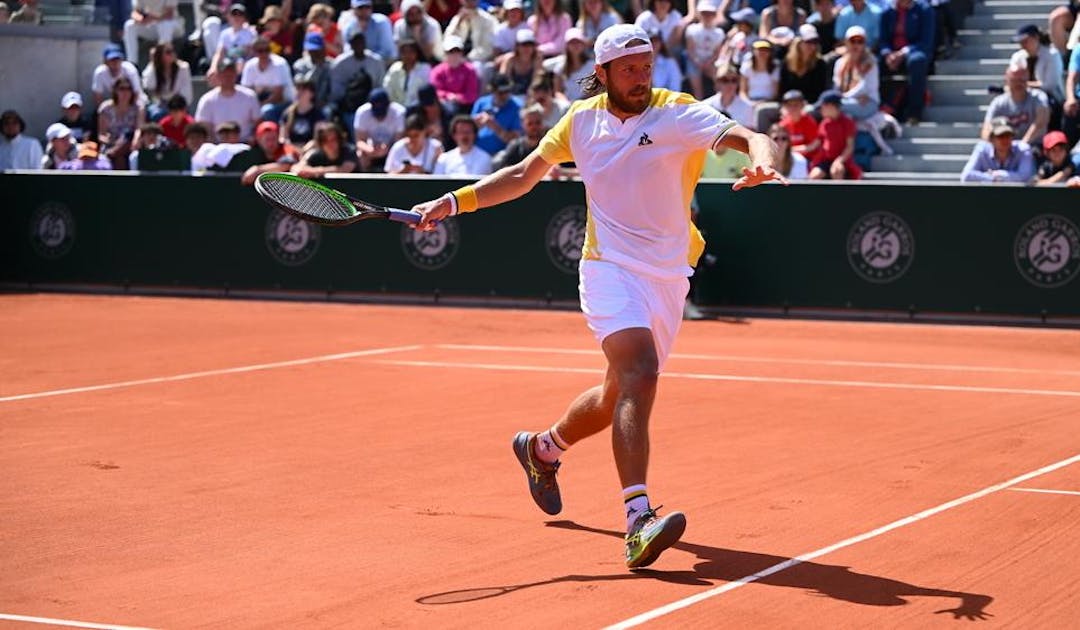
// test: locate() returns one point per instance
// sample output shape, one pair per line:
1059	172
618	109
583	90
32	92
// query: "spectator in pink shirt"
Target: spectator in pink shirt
454	79
550	23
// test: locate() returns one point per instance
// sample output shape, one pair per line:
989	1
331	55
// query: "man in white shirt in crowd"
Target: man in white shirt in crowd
466	159
156	20
268	76
114	67
378	124
229	102
17	150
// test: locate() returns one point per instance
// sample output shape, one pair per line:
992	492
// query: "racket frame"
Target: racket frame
364	209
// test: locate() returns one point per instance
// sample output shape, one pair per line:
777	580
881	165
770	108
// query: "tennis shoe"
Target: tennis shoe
541	475
650	535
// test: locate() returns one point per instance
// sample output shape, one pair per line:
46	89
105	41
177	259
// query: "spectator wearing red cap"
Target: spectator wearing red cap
1056	167
267	155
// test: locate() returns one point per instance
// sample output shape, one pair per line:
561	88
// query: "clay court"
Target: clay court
188	463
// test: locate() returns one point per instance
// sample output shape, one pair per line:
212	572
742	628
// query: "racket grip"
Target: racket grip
404	216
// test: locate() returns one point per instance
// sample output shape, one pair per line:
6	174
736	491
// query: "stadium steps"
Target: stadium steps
1002	20
904	176
937	146
921	163
966	129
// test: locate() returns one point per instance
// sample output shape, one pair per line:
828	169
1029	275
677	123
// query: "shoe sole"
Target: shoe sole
673	531
521	446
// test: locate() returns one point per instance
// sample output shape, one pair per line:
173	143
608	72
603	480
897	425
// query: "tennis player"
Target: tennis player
640	151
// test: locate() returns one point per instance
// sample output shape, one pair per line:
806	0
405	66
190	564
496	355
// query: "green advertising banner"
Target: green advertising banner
860	247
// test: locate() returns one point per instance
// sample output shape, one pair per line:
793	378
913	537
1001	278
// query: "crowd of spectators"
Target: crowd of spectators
460	87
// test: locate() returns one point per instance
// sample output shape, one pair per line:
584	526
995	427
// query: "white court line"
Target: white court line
747	359
190	375
749	379
1072	492
68	622
787	564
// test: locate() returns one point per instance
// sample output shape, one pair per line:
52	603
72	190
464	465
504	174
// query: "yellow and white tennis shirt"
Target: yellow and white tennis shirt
639	178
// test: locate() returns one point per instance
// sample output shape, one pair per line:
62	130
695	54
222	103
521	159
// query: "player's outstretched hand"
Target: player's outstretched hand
431	212
755	176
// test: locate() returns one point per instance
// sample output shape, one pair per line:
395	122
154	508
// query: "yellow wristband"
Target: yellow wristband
466	199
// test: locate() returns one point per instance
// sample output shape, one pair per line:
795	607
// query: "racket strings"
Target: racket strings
310	201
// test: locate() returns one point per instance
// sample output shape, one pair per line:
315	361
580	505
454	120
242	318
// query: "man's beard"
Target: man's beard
627	102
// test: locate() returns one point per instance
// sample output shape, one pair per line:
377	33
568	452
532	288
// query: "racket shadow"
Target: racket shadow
719	565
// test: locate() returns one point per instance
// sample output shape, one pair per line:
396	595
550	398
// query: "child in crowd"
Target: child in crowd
801	127
837	135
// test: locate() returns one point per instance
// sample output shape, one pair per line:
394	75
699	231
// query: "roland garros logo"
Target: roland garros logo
880	247
431	250
565	236
52	230
1047	251
291	241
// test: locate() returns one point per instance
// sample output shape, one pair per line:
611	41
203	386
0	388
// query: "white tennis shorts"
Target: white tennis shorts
615	299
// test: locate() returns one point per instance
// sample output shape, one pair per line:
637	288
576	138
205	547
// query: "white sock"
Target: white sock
550	446
636	501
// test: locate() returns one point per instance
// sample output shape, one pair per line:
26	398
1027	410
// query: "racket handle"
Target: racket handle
404	216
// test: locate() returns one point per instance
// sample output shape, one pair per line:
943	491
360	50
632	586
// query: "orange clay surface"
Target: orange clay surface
379	490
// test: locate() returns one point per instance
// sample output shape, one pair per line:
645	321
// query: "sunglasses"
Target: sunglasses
732	80
856	40
781	139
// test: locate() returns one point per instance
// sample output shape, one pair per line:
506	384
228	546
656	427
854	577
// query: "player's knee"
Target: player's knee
639	375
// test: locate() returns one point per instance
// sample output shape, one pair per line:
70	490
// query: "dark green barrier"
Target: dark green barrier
936	249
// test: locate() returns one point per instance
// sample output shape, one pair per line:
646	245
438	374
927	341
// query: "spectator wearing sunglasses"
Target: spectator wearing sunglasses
791	164
728	99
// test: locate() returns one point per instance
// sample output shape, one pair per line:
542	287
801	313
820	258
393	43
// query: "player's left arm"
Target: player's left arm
763	154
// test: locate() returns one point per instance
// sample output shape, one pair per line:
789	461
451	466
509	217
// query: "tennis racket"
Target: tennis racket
319	204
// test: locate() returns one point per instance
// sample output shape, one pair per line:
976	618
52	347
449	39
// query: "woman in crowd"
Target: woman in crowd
760	74
163	77
792	165
666	73
320	19
330	155
571	66
524	63
856	76
595	16
803	68
783	13
1045	69
407	75
118	118
703	41
549	24
300	119
415	153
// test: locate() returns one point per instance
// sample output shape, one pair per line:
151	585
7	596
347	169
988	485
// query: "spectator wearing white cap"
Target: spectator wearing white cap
17	150
155	20
75	118
856	76
112	68
5	13
663	17
417	25
59	146
572	66
595	16
860	13
476	28
1001	158
549	23
377	29
506	33
524	63
454	79
703	41
804	69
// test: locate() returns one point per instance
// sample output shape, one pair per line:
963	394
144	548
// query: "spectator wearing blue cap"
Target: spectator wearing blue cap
1043	64
837	135
314	67
377	125
112	68
376	27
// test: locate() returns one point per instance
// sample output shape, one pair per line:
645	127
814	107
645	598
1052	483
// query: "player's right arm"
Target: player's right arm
501	186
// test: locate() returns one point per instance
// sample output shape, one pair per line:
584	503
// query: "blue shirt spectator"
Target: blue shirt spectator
867	16
498	116
918	30
377	30
1002	159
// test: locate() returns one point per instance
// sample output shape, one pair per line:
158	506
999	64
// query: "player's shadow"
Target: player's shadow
729	565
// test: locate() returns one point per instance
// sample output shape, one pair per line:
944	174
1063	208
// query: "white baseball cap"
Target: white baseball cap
574	33
613	41
525	36
452	42
71	98
808	33
707	5
513	4
57	130
855	31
